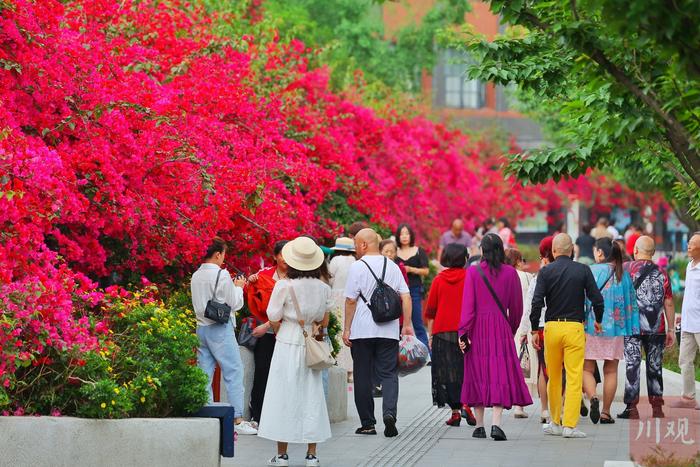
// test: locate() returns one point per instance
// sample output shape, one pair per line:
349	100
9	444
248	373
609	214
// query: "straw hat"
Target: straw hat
344	244
303	254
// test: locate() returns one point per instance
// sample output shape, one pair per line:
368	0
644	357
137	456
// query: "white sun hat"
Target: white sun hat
344	244
303	254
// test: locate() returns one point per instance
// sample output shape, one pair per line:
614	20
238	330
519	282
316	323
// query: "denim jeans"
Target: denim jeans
417	314
218	345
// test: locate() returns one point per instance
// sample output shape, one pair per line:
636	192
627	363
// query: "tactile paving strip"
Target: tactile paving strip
413	441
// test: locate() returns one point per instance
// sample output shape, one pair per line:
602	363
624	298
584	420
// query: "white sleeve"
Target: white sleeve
352	287
403	286
275	308
333	270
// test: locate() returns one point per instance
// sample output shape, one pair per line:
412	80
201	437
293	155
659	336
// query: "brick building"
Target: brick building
479	105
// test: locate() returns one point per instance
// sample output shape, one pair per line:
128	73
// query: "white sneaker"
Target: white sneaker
573	433
282	460
519	412
552	429
245	428
312	461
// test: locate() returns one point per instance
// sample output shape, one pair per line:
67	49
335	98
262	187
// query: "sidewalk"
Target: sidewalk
425	440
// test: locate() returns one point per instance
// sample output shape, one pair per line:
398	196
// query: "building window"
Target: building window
453	88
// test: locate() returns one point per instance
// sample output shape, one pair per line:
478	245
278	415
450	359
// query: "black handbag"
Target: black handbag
245	335
215	311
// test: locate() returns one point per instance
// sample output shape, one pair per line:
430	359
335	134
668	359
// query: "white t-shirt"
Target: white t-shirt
690	313
360	279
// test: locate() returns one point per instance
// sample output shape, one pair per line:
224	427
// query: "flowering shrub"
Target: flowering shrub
143	366
130	133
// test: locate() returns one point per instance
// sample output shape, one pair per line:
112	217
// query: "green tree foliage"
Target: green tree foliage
616	84
350	36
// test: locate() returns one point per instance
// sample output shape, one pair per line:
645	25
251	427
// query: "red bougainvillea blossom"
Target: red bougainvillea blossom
130	134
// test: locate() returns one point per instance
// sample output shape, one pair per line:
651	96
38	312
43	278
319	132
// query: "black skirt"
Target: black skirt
447	370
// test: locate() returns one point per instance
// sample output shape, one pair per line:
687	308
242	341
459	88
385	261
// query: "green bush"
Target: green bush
145	367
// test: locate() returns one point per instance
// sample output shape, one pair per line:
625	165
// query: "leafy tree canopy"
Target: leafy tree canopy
615	83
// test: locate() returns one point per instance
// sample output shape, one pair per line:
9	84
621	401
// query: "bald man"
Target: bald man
564	285
456	234
374	346
656	317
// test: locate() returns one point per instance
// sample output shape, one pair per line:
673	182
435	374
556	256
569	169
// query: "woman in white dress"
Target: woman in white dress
294	408
342	258
515	259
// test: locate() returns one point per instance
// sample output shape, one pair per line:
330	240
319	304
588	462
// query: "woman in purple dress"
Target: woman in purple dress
492	373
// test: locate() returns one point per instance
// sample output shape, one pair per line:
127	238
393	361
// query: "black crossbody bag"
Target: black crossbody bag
215	311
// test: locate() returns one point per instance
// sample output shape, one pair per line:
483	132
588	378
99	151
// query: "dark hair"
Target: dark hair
513	256
505	222
355	227
586	229
217	245
613	254
411	235
492	251
454	256
489	221
386	242
277	249
297	274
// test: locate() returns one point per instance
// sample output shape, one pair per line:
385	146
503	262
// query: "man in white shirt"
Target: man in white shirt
690	325
374	346
216	341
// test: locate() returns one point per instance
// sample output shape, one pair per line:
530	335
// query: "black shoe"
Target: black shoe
595	410
630	413
377	391
366	430
390	426
497	434
657	412
479	433
584	409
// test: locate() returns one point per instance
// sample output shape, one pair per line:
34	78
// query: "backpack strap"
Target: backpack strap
493	292
379	281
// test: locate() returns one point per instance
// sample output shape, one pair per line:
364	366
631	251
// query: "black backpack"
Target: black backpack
385	302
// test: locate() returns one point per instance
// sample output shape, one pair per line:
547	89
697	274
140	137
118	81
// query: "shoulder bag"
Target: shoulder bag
215	311
318	353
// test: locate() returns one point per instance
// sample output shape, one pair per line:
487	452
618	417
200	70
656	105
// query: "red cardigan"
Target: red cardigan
445	300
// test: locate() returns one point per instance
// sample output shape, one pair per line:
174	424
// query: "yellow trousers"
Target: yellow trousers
564	345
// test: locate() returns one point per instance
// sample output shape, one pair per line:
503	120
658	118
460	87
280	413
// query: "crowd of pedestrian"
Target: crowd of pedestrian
601	298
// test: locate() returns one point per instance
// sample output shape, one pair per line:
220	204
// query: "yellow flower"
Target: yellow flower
149	379
113	402
103	405
116	390
143	399
109	369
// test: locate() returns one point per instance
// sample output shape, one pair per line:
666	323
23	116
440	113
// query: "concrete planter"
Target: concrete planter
77	442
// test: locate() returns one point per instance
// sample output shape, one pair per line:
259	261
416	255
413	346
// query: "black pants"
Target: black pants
370	357
653	346
262	355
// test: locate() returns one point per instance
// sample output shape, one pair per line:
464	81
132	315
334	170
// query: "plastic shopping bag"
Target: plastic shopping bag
413	355
524	360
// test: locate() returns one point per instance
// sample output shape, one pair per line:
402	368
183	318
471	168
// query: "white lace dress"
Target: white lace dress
294	408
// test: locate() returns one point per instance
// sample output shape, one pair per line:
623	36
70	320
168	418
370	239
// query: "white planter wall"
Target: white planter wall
77	442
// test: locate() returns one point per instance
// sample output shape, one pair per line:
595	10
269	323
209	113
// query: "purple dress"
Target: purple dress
492	373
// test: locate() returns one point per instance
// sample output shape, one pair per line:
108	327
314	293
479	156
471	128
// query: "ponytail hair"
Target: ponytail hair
217	245
613	255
